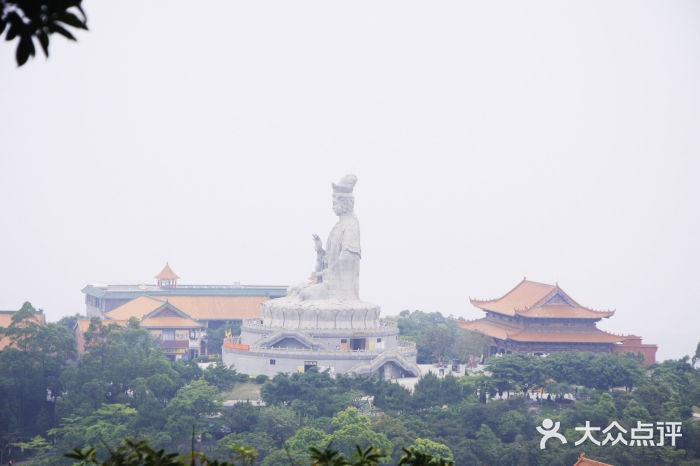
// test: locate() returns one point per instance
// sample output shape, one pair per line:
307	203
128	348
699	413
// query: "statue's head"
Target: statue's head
343	204
343	199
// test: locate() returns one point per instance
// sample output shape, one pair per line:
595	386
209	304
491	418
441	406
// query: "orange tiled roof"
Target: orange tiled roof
583	461
167	274
218	307
533	299
485	327
169	322
6	321
4	342
195	307
138	308
503	333
84	324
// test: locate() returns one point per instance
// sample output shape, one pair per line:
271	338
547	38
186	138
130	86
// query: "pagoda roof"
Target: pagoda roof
539	300
167	273
528	335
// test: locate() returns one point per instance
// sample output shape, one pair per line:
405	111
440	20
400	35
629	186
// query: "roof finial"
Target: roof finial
167	278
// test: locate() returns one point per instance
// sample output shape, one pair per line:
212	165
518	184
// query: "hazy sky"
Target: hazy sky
492	140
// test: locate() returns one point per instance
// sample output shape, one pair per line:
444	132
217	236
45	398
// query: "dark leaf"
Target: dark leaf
44	41
61	30
25	48
71	20
16	25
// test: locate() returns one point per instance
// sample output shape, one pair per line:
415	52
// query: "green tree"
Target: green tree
305	438
220	376
470	344
439	339
30	375
350	428
215	337
109	425
228	446
436	450
278	422
190	406
69	321
396	431
487	446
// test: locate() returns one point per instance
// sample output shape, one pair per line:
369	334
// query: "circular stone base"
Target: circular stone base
322	314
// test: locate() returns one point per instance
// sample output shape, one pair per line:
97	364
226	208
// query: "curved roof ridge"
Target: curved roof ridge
509	291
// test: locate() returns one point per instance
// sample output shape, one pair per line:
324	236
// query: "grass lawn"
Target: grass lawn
243	391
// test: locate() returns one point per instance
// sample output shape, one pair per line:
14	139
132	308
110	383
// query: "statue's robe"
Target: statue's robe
341	277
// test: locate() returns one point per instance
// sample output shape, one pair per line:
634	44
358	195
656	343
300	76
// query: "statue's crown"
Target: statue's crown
345	185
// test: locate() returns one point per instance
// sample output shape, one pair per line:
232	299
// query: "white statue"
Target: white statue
337	271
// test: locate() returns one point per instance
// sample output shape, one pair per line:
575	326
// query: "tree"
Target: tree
438	340
426	392
189	407
396	431
470	344
436	450
215	337
108	425
279	423
487	446
30	375
219	376
69	321
350	428
27	20
304	439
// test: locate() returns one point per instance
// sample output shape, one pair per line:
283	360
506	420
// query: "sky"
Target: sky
492	141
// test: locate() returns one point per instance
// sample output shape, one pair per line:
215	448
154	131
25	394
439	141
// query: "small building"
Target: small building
181	322
100	299
178	315
540	318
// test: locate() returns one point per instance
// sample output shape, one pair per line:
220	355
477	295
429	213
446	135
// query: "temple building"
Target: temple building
539	318
100	299
178	315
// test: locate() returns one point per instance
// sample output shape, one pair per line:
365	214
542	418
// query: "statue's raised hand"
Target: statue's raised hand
317	243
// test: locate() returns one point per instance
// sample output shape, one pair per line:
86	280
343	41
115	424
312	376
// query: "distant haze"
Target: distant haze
491	140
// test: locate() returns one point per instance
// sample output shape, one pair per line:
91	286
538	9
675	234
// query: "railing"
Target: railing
404	348
406	344
383	325
153	286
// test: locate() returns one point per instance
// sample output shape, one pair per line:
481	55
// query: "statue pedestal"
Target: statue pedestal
293	313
